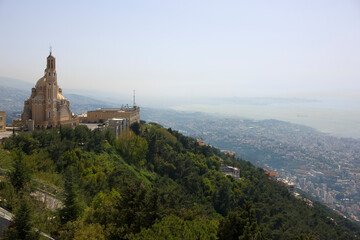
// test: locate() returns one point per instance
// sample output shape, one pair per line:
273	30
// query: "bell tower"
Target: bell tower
51	89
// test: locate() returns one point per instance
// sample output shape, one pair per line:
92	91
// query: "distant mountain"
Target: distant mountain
104	96
12	99
81	104
16	84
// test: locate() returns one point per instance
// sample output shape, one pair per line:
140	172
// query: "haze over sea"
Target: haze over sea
337	117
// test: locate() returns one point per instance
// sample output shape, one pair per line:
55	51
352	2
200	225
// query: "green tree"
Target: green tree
310	236
23	141
68	158
96	142
173	227
57	149
45	137
72	208
79	230
67	133
222	197
240	225
82	134
22	227
109	137
20	175
135	127
133	148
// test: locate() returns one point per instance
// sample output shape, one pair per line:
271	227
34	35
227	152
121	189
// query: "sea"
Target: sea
336	117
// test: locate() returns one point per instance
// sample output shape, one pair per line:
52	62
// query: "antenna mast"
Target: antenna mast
134	104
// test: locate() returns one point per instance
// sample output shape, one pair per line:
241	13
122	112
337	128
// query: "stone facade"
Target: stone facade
2	121
102	115
46	106
119	127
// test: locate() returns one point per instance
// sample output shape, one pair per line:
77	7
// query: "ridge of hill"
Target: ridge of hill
158	184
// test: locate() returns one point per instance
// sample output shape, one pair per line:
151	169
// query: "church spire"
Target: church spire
50	61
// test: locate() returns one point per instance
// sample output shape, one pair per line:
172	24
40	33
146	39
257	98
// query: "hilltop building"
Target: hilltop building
117	120
229	170
46	106
2	121
288	184
101	115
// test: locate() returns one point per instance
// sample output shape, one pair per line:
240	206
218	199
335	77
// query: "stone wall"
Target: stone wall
102	115
2	121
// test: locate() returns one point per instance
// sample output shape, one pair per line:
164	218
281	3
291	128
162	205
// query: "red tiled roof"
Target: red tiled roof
230	153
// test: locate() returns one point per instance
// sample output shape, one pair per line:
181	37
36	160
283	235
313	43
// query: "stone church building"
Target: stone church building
47	107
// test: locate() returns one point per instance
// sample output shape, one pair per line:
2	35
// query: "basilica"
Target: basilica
47	107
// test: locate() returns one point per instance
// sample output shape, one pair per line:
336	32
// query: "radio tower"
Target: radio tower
134	104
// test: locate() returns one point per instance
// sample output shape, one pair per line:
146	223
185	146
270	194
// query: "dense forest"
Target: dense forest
151	184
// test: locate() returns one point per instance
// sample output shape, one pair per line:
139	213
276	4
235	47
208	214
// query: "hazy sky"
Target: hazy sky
168	48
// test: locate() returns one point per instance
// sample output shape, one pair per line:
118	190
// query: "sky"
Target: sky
187	49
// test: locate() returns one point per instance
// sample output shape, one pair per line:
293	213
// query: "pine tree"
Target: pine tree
135	127
251	229
240	225
109	137
20	174
22	223
71	210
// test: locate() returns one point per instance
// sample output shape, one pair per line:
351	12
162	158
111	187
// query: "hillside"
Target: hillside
324	166
158	184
